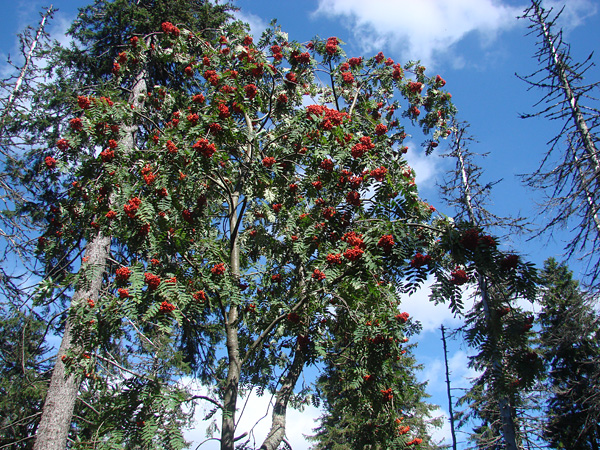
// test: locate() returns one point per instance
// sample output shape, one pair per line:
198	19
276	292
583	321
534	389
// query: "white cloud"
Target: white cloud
430	315
426	167
58	29
424	29
257	24
443	434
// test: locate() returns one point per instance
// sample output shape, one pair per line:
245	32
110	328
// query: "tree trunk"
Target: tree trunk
585	135
506	416
233	346
578	118
509	430
277	431
60	400
233	380
452	431
58	408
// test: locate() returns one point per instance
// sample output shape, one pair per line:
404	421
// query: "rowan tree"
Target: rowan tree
243	226
242	213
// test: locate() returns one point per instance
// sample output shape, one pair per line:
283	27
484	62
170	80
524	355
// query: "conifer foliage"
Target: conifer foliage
495	327
570	328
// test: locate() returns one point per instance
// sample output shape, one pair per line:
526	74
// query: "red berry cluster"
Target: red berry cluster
387	395
166	307
153	281
331	46
459	277
205	148
353	239
386	242
419	260
171	29
123	274
148	174
360	149
50	162
199	296
402	317
334	258
510	262
318	275
268	162
218	269
132	206
353	254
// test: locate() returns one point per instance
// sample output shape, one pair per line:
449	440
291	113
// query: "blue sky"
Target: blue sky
477	46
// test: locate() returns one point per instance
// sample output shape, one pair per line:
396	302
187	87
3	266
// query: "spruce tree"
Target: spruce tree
570	329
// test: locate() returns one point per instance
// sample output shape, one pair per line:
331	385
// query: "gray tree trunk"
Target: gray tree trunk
57	413
233	347
277	431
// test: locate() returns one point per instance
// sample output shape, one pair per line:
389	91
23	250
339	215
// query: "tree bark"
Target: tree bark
580	123
55	422
277	431
231	329
449	390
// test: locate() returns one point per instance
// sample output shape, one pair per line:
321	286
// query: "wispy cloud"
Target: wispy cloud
257	24
575	11
441	435
427	168
421	30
